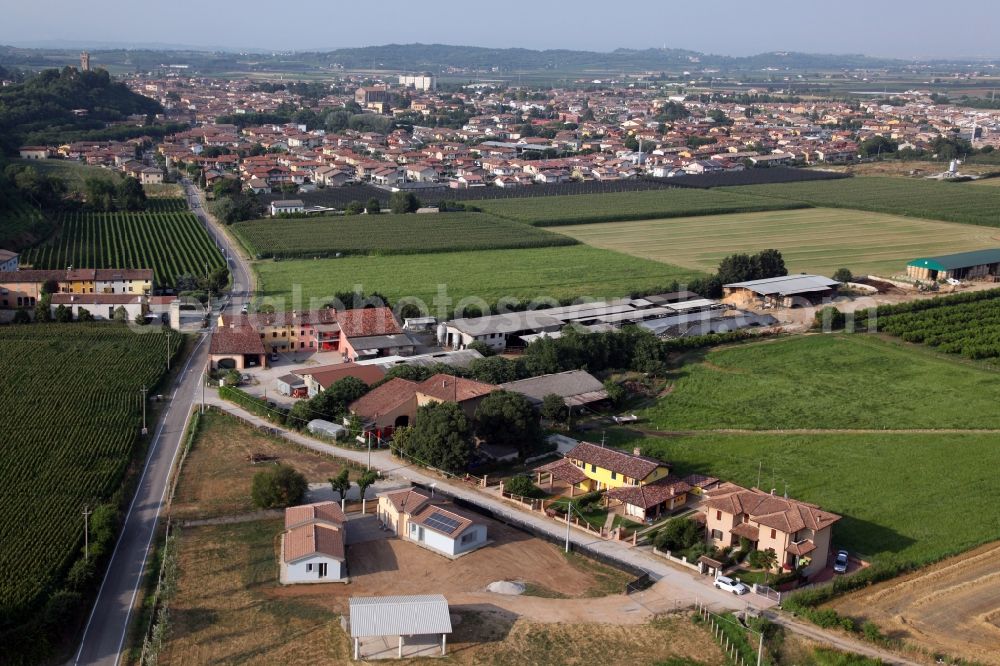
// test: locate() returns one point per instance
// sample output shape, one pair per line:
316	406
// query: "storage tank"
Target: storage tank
442	334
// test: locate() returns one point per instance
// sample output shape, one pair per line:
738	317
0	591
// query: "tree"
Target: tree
736	268
100	194
494	370
340	484
121	314
373	206
42	311
50	287
21	316
649	355
843	275
678	534
442	437
233	378
505	418
131	195
877	145
481	347
83	314
553	408
354	208
139	319
522	485
616	392
768	264
64	315
278	487
403	202
367	478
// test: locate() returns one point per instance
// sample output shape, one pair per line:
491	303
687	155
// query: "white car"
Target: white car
731	585
840	562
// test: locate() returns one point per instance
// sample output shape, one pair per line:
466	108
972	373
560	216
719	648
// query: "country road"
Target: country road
107	625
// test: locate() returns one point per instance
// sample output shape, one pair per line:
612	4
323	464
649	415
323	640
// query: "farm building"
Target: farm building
23	288
312	546
320	377
437	524
420	623
787	291
287	206
290	384
394	404
326	429
962	266
576	387
236	347
101	306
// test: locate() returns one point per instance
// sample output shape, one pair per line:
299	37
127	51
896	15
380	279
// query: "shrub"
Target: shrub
871	631
843	275
278	487
678	535
523	486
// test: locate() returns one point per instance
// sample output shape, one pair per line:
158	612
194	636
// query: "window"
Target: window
468	538
614	476
309	567
593	468
746	517
717	535
774	533
718	515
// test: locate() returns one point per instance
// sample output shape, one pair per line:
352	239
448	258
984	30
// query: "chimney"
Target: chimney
637	451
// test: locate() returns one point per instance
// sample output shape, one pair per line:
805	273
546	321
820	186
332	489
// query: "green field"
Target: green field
557	272
612	207
71	403
913	497
813	240
167	239
389	234
829	382
952	202
21	224
72	172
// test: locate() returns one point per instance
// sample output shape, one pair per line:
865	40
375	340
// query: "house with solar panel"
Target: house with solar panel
437	524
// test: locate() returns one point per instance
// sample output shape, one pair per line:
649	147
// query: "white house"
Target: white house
287	206
435	524
312	546
101	306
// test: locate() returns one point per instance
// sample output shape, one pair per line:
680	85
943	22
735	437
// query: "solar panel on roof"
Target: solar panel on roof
442	523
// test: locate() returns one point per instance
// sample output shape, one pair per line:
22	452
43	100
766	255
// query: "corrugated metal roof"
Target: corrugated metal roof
788	284
948	262
399	615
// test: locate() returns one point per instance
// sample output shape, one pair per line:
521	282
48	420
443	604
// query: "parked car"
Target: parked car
245	309
840	562
731	585
274	356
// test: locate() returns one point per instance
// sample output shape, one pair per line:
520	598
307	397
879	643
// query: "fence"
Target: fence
641	583
725	633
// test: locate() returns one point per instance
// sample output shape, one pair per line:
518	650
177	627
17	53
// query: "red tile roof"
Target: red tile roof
364	322
329	512
313	539
385	398
454	389
563	470
328	374
787	515
651	494
627	464
235	340
409	500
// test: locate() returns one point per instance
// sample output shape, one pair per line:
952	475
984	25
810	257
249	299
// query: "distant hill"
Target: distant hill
438	58
41	109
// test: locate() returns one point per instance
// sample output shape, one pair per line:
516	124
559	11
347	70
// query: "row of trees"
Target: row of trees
104	195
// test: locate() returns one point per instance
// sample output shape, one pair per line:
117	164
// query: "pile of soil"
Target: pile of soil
506	587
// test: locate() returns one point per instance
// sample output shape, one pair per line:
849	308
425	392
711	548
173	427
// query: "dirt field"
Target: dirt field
217	473
952	607
819	240
228	607
911	168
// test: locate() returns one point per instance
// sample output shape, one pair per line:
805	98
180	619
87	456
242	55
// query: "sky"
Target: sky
892	28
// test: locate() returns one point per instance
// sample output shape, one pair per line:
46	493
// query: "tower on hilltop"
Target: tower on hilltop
84	62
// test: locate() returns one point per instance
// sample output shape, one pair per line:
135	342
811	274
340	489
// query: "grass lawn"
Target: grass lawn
217	473
829	381
611	207
74	173
388	234
952	202
815	240
915	497
557	273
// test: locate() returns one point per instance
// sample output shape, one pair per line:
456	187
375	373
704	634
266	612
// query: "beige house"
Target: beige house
799	533
436	524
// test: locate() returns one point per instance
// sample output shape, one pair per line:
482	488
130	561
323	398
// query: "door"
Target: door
322	569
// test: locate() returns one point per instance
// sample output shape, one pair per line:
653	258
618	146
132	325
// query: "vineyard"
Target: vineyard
389	234
968	324
72	408
898	196
166	238
651	204
21	224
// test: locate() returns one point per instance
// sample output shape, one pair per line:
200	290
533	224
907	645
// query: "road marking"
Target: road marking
128	515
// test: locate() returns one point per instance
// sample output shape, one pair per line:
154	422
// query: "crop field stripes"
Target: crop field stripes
171	241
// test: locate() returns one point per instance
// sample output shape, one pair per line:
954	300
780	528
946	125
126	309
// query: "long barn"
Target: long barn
978	264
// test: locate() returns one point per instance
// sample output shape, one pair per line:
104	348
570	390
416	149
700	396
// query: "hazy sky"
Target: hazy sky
902	28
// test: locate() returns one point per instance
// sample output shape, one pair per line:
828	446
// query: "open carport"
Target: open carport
397	627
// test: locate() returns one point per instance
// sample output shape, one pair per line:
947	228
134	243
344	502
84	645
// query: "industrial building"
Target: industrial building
787	291
976	265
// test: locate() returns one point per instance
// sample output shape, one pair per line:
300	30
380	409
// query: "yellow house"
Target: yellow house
610	468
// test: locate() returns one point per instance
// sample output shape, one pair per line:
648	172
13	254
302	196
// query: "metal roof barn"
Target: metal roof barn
399	615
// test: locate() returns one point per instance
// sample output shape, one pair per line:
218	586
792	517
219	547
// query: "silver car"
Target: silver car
840	562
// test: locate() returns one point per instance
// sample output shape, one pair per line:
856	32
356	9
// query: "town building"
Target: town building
975	265
424	82
800	534
590	467
9	261
287	206
313	544
101	306
34	152
24	288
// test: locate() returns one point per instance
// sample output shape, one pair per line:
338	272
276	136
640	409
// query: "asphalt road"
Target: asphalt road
107	626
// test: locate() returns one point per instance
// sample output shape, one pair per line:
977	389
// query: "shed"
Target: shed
288	383
404	617
575	387
784	291
960	266
326	428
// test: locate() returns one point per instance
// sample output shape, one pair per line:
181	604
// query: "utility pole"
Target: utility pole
86	532
144	431
369	438
569	510
760	649
204	380
168	351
